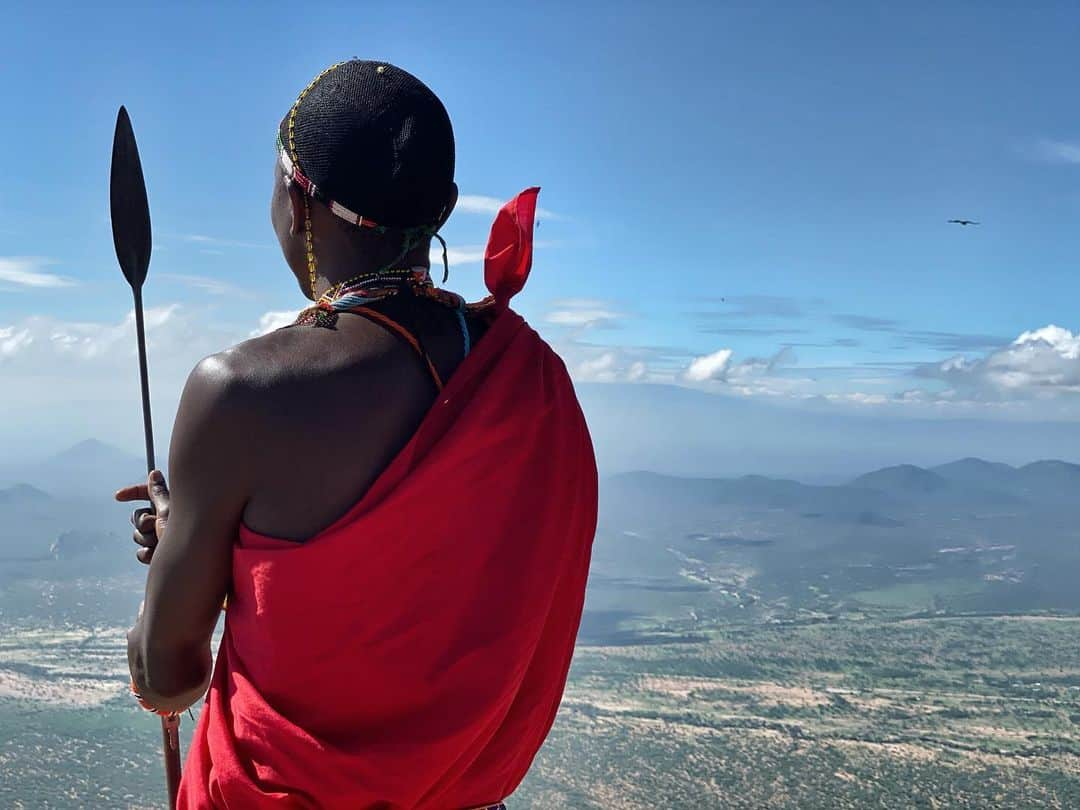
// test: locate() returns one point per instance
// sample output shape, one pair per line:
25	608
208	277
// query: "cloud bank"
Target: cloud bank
1042	363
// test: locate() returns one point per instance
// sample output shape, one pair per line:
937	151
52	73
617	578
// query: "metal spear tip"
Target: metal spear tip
129	208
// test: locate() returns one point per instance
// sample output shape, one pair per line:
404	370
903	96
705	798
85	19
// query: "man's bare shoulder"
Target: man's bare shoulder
280	359
247	394
273	374
253	410
245	382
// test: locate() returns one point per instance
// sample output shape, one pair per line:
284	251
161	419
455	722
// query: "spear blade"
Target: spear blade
130	210
130	214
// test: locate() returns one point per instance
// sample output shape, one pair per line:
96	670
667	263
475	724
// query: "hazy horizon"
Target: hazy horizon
794	252
108	459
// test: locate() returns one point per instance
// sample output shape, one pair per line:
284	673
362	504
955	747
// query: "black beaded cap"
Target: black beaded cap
376	139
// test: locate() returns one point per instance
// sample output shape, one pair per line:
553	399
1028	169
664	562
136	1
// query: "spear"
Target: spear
130	213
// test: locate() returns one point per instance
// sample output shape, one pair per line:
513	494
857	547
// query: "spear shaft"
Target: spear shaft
130	213
144	381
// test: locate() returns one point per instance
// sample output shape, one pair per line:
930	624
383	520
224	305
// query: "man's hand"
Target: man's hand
149	522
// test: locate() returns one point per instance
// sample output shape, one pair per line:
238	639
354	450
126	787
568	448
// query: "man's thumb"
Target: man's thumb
159	493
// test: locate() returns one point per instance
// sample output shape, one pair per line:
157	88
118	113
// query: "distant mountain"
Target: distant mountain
977	473
671	498
93	453
904	478
1057	480
78	542
1040	481
23	495
90	468
967	484
882	499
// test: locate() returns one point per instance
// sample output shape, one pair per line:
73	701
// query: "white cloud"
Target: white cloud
12	340
754	376
213	286
610	366
1041	363
583	313
478	204
46	339
860	398
710	366
270	321
580	317
467	254
481	204
176	339
153	317
758	366
598	368
25	272
1059	151
580	303
213	241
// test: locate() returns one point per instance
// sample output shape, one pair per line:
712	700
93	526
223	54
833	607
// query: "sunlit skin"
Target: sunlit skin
282	433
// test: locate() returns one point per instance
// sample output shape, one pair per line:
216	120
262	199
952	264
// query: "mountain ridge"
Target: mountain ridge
950	472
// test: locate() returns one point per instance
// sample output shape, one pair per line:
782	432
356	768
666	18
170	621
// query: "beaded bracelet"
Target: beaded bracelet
142	702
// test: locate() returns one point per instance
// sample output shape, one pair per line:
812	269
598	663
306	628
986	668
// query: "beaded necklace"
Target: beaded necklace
367	288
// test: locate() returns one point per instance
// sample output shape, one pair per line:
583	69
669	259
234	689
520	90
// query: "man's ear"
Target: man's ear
297	208
449	205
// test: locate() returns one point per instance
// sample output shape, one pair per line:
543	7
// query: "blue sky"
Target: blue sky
748	201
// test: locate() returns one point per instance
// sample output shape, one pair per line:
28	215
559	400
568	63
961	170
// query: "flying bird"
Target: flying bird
963	222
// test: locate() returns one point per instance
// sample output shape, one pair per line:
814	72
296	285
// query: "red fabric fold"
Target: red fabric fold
413	655
508	257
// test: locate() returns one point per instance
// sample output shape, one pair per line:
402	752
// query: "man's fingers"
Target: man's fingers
135	492
146	523
145	539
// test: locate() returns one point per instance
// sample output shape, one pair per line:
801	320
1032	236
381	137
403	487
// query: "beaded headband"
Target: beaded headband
292	172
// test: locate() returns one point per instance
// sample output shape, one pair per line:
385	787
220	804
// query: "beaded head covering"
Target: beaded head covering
375	145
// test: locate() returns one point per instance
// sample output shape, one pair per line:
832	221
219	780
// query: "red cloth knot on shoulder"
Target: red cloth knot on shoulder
508	257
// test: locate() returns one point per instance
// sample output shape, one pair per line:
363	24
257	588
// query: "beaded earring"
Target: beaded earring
307	190
310	248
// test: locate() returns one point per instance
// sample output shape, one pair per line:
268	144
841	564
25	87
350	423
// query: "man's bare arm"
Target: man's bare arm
196	526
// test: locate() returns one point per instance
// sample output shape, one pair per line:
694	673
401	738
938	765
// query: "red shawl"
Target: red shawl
413	655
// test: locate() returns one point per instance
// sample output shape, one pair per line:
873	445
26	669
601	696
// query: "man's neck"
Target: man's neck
336	263
327	282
